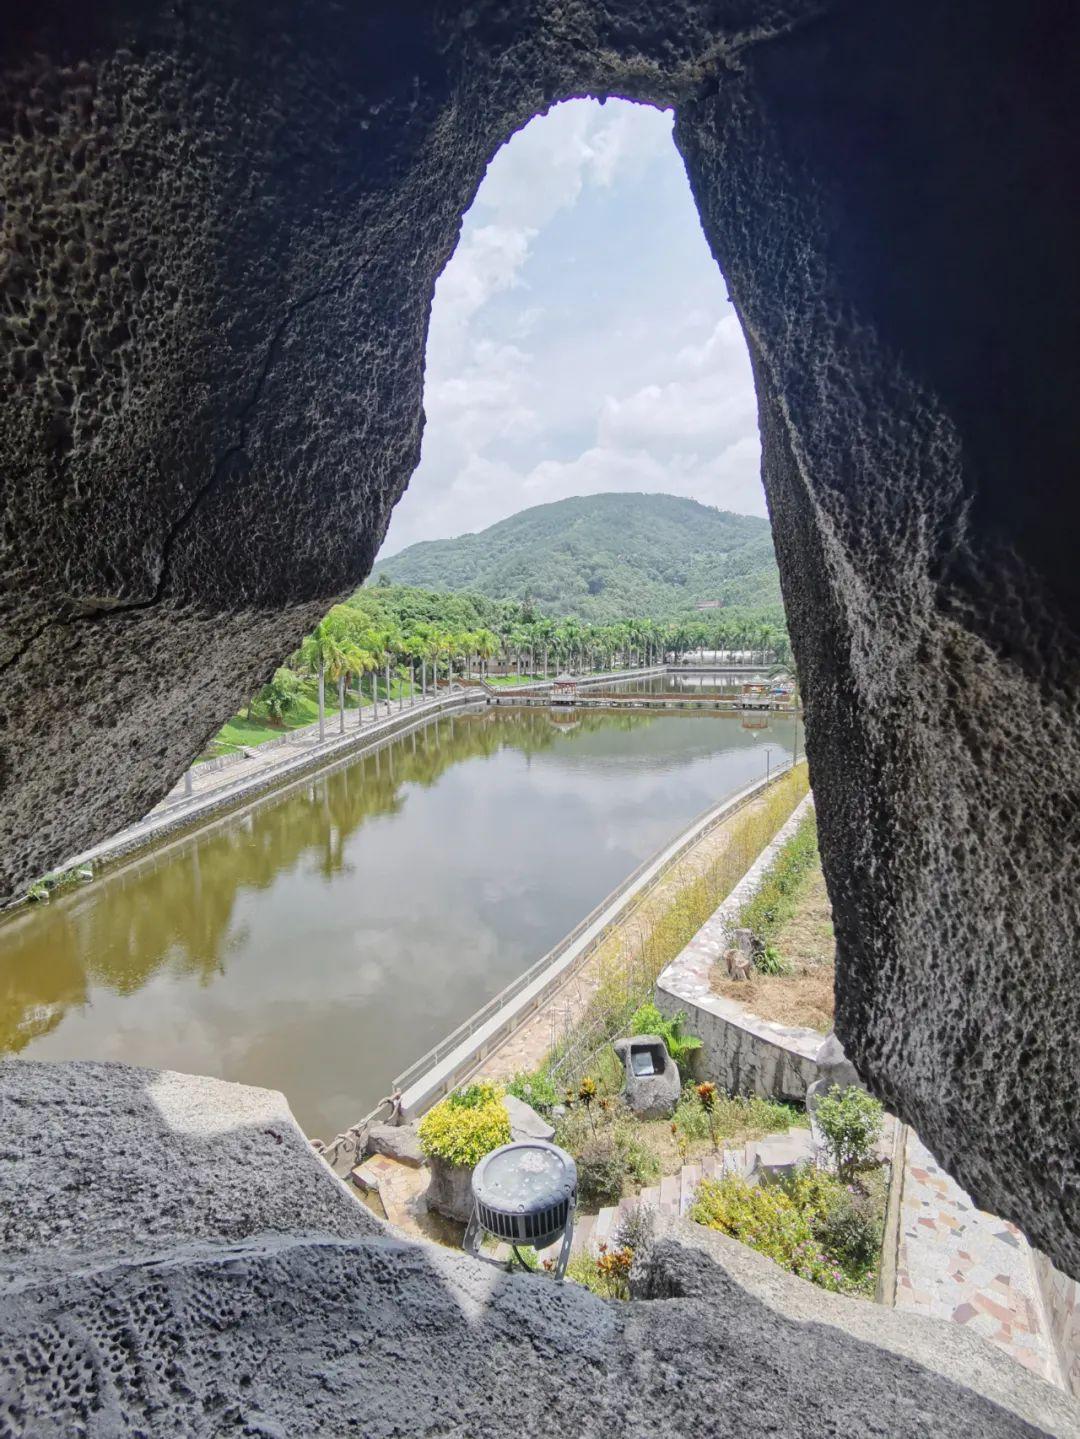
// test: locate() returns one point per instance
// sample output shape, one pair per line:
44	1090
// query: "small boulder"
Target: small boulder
525	1123
396	1141
652	1085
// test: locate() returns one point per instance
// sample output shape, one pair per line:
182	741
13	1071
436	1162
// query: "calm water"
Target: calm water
672	684
327	936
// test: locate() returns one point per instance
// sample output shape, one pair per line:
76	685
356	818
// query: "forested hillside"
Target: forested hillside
604	558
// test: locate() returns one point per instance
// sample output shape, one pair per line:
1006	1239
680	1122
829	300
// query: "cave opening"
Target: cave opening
581	341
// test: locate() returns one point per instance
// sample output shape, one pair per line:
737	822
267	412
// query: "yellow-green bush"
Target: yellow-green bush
466	1126
809	1222
767	1219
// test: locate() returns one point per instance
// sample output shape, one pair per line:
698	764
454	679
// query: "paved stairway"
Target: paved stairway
674	1195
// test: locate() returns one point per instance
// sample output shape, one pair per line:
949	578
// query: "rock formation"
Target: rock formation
222	228
215	1278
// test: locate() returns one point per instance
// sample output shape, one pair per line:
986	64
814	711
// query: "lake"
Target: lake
324	937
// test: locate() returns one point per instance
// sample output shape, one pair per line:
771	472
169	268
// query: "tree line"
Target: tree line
427	639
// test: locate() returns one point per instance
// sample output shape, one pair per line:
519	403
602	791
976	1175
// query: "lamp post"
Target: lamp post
768	762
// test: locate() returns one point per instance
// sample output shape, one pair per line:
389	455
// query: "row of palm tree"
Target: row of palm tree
353	643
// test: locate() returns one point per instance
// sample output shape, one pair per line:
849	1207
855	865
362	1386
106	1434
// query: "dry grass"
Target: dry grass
804	998
807	938
619	975
626	965
807	942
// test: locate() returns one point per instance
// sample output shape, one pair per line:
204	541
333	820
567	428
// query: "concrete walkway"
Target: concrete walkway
262	768
215	786
957	1262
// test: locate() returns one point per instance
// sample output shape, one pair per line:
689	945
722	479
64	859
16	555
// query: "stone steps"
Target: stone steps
675	1194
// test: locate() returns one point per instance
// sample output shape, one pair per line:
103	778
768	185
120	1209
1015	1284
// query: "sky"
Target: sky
581	337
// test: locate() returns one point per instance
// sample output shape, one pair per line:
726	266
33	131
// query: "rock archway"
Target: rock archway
222	230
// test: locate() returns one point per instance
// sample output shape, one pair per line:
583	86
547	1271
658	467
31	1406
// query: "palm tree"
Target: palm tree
361	662
323	651
282	694
485	644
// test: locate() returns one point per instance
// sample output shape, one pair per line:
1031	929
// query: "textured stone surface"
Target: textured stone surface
651	1096
103	1162
525	1123
397	1141
290	1332
222	225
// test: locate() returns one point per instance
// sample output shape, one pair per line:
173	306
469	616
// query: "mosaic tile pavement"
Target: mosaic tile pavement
957	1262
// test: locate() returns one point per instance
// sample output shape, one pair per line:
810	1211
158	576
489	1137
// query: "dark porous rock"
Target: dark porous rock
107	1162
650	1096
122	1311
396	1141
222	229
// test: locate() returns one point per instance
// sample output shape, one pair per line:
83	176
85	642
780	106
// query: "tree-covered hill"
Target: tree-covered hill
605	557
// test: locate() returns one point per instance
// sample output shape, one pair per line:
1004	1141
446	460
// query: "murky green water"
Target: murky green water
321	940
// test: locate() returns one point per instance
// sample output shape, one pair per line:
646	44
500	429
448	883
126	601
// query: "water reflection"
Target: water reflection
717	683
322	939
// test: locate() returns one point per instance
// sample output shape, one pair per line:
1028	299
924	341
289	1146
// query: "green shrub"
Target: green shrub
769	960
465	1126
767	1219
607	1274
535	1087
474	1096
734	1116
847	1220
608	1149
851	1232
635	1229
850	1121
681	1047
639	1161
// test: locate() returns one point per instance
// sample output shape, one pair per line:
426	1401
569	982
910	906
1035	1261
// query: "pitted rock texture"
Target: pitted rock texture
109	1162
222	227
291	1332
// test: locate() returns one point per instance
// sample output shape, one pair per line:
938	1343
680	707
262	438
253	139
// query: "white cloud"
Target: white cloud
486	261
622	367
708	412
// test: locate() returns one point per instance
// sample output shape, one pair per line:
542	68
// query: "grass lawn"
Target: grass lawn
792	913
513	679
254	727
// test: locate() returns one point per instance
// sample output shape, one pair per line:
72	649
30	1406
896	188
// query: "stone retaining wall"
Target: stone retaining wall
1061	1300
745	1054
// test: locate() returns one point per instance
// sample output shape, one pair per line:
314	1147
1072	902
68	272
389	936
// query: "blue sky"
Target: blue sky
581	339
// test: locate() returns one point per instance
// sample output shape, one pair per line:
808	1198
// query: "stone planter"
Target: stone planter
450	1190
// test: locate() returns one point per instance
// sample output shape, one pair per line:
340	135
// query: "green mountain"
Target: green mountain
605	557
